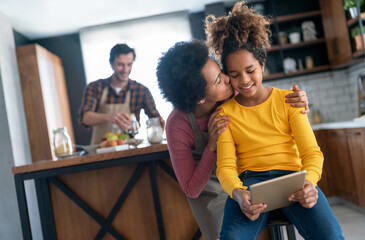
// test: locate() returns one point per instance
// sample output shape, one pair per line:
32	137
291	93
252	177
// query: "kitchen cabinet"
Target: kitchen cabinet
344	165
356	141
338	154
45	98
338	38
325	183
288	16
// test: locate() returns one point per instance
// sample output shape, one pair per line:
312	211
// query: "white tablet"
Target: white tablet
275	192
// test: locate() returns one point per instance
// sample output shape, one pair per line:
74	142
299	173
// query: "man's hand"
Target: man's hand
307	196
243	197
298	99
122	120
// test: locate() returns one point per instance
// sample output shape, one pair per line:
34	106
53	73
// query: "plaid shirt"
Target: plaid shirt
140	98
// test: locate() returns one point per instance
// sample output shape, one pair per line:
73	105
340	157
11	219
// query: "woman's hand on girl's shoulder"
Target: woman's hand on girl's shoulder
298	99
216	126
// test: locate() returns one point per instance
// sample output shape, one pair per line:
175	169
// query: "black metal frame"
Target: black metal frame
44	177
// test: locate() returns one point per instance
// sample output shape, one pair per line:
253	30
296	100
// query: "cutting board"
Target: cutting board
112	149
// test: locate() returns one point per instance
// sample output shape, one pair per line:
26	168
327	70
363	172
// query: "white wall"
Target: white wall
14	145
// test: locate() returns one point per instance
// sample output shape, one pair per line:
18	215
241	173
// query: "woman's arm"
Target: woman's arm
192	178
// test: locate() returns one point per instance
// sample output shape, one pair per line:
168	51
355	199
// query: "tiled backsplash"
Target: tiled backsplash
333	93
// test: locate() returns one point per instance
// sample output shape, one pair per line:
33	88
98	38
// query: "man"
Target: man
111	101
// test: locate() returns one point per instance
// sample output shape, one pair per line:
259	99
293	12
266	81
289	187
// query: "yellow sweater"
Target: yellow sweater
270	136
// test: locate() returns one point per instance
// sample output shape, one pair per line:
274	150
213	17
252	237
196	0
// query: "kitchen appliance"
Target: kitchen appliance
361	93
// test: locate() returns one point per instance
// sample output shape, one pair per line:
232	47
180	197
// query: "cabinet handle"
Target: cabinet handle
354	133
333	134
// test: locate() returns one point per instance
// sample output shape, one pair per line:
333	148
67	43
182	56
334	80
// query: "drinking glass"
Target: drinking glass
133	127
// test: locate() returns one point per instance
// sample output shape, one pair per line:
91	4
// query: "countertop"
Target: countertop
52	164
339	125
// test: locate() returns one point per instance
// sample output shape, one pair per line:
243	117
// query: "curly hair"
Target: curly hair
242	28
179	74
120	48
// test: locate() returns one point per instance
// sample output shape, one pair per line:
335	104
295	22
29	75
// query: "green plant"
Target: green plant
347	4
356	31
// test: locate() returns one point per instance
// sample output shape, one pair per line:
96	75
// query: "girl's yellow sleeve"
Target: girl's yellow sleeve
226	161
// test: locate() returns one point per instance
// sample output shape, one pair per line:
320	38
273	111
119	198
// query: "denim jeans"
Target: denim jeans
318	222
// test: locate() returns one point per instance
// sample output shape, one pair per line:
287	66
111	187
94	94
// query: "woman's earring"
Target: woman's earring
202	101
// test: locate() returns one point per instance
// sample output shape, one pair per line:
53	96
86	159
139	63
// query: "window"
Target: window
150	37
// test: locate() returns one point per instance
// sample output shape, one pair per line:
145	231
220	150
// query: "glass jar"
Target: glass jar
62	142
309	62
154	130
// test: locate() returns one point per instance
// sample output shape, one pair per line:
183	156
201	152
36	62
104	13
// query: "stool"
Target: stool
276	220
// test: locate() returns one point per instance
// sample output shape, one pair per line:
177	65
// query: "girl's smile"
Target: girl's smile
245	73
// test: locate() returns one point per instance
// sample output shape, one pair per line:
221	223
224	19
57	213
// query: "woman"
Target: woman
195	85
266	137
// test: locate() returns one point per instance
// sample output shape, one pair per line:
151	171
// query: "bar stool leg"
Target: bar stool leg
291	232
276	233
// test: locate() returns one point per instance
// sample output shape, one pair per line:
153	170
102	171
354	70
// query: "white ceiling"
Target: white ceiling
46	18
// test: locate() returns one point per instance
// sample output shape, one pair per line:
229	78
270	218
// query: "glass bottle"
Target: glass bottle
154	130
309	62
62	142
133	127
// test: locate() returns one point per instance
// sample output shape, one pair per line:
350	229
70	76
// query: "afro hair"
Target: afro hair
179	74
242	28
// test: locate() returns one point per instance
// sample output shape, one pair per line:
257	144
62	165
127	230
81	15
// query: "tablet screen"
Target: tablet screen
275	192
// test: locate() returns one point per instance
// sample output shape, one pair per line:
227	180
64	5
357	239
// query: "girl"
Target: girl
266	138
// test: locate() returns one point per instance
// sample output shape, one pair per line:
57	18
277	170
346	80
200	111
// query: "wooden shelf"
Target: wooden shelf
299	72
297	45
353	21
274	76
291	17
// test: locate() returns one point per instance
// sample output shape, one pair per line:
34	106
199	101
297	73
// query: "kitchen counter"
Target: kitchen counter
129	194
93	158
339	125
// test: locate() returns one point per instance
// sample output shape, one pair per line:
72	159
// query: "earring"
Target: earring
202	101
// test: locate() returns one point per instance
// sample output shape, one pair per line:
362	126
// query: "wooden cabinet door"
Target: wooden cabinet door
45	98
336	33
356	143
341	167
326	183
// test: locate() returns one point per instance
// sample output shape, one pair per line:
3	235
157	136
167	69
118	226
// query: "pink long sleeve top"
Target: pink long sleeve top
180	140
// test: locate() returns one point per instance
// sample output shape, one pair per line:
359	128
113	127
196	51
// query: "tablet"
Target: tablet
275	192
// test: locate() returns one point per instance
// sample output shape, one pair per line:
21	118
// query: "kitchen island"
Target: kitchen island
129	194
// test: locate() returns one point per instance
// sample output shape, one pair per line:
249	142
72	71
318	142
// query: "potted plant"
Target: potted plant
350	5
356	34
